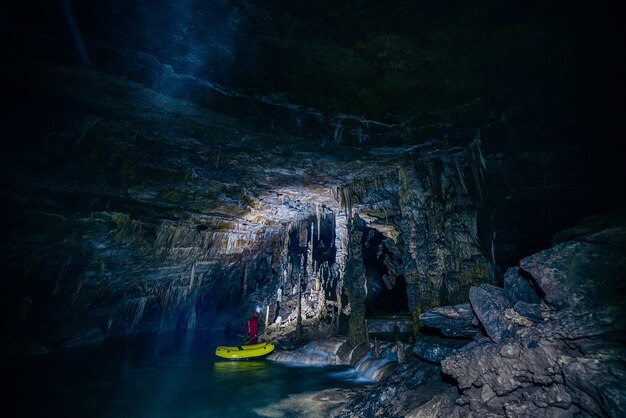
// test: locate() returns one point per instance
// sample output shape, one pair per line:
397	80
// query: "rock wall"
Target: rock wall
354	283
441	252
108	274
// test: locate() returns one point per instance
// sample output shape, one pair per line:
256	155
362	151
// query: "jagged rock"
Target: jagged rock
442	405
418	375
518	287
516	318
587	273
435	349
530	311
556	368
489	304
452	321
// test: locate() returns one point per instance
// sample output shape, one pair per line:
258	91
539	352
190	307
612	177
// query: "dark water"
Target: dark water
157	377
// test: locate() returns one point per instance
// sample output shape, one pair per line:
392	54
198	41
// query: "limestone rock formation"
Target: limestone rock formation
537	359
569	363
434	349
452	321
171	169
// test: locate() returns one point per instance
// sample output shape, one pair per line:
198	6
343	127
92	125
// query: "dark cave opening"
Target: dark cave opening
314	239
386	293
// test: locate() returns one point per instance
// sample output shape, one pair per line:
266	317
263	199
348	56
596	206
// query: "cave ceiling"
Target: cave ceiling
258	111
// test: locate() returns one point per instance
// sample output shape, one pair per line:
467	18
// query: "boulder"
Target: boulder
330	351
489	305
519	288
583	275
531	311
452	321
435	349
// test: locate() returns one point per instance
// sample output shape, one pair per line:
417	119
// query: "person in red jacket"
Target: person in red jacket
253	328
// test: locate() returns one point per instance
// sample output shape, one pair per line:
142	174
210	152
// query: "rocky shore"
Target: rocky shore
550	343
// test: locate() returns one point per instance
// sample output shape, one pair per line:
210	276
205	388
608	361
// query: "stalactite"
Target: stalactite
346	200
245	281
338	132
318	216
478	165
309	256
299	330
477	181
461	176
139	308
193	272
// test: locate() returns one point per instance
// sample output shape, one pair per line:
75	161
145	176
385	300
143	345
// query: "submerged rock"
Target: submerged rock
411	384
326	403
324	352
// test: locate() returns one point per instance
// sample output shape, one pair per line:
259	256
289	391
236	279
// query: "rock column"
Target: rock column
441	252
354	283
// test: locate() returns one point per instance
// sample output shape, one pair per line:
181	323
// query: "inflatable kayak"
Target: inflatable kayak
244	351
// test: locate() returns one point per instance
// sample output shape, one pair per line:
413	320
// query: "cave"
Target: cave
418	204
386	292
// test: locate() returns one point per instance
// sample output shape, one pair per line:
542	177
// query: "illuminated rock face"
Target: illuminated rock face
155	225
192	166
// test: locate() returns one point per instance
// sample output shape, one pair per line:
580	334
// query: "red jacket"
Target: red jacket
253	327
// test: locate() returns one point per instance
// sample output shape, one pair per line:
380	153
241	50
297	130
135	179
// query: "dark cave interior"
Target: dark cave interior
345	169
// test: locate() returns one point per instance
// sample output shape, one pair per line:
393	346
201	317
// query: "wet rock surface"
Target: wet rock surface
543	362
309	405
397	394
317	353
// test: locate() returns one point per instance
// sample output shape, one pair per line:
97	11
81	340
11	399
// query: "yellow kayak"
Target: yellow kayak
244	351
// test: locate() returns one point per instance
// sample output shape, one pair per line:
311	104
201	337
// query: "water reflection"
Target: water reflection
225	369
159	377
